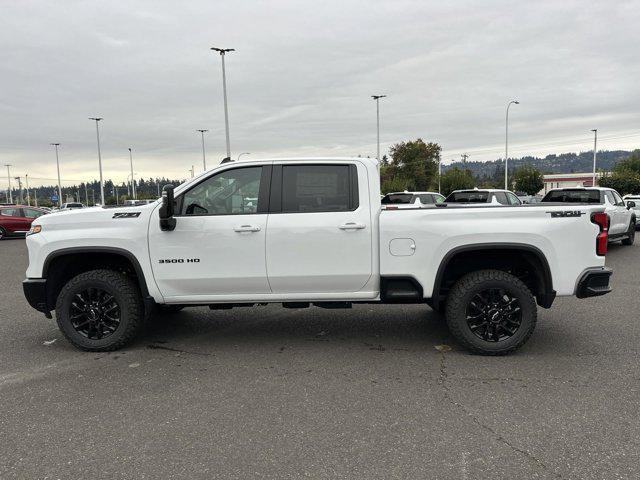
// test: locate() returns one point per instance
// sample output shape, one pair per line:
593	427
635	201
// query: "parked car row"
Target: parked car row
622	213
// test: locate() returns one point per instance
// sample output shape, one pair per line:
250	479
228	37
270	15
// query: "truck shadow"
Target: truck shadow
380	327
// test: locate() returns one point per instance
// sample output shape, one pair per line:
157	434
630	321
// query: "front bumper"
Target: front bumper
35	291
594	282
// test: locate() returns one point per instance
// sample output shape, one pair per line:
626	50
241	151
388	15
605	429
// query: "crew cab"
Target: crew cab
304	232
394	200
491	196
621	215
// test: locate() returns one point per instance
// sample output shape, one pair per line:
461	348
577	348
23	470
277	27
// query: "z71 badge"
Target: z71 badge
566	213
126	215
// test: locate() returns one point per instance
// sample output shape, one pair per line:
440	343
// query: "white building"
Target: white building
568	180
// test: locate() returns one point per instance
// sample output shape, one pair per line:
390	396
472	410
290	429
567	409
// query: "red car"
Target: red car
15	220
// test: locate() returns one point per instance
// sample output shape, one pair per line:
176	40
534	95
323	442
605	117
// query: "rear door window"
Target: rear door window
513	200
10	212
618	198
610	197
501	197
319	188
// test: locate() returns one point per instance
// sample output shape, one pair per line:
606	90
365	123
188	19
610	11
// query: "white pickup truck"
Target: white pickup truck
307	232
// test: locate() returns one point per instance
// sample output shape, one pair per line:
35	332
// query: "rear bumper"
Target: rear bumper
35	291
594	282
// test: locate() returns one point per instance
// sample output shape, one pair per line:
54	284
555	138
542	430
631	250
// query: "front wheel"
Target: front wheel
491	312
100	310
2	233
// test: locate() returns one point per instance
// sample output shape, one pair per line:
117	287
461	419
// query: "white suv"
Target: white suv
411	199
622	216
490	196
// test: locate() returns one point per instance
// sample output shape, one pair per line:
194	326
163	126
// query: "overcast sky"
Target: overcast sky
300	81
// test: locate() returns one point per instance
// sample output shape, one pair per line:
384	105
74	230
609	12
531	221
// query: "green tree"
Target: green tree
528	179
456	179
624	182
413	166
625	177
629	164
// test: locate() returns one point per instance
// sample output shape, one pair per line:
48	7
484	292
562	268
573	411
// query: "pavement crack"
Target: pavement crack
178	350
442	381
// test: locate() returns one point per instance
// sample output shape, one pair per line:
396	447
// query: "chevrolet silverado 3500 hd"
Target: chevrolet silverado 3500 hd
310	231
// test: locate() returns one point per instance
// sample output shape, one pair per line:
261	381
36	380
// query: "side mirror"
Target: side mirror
167	222
631	205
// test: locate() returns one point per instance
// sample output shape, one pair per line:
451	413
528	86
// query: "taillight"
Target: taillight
602	220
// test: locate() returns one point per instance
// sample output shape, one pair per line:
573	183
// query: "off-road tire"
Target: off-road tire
631	234
466	288
126	294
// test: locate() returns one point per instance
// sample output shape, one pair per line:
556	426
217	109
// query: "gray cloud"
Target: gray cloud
301	79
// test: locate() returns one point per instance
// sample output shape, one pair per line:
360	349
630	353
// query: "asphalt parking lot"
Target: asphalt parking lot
373	392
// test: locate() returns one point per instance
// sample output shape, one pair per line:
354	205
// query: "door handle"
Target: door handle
246	228
352	226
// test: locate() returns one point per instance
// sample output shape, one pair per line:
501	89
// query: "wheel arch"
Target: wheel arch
467	258
61	265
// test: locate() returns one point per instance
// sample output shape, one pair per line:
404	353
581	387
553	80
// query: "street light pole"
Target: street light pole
377	99
97	119
9	194
26	180
223	52
56	145
595	149
204	157
506	146
133	182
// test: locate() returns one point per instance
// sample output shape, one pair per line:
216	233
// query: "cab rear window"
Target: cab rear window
468	197
396	198
573	196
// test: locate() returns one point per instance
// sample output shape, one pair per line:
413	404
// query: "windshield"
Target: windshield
468	197
395	198
573	196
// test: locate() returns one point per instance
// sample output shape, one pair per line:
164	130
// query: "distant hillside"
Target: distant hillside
563	163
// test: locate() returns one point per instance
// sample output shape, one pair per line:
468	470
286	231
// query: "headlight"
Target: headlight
34	229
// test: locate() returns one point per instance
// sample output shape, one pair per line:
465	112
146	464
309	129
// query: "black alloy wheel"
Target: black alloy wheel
94	313
494	315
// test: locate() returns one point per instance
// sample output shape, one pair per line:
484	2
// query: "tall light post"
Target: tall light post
223	52
56	145
133	182
9	194
243	153
204	156
506	146
595	149
377	99
26	180
97	119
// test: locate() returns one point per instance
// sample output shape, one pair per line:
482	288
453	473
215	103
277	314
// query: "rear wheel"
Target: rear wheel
631	234
491	312
100	310
3	234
